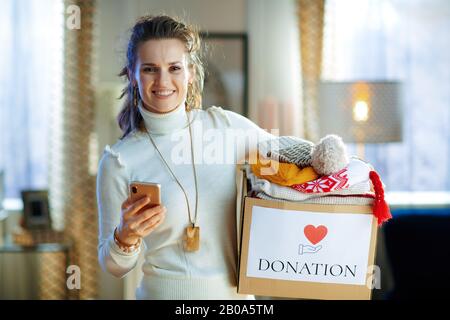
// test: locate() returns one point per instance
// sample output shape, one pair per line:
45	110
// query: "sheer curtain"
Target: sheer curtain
31	40
404	40
31	44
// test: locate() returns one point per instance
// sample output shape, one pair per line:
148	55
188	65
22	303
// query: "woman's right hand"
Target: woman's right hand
137	222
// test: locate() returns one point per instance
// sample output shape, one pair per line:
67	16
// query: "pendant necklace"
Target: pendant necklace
192	235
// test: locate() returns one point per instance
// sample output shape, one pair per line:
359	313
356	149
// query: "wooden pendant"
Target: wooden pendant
192	241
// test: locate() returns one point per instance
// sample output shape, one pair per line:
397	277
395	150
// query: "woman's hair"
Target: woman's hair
159	27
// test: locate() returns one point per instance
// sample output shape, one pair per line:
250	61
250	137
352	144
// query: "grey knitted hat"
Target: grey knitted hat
288	149
327	157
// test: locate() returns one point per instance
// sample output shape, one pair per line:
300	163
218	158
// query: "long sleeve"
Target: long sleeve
252	134
241	122
112	184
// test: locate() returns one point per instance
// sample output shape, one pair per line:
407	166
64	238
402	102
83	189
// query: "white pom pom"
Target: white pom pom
329	155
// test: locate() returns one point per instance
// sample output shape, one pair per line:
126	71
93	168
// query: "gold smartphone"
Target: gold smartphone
140	189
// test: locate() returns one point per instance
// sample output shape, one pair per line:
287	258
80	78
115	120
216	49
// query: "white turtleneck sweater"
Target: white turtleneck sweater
169	272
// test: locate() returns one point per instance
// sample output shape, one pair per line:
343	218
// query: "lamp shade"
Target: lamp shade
361	111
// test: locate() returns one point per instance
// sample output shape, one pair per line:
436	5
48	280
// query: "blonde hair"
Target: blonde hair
159	27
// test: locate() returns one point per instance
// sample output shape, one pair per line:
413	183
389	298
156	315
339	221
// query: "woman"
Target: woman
164	129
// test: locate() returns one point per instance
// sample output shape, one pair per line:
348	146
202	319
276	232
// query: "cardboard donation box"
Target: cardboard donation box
311	251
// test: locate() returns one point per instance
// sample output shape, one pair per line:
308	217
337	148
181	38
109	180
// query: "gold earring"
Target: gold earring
135	98
189	97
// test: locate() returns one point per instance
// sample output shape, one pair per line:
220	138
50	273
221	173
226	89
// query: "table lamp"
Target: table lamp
361	111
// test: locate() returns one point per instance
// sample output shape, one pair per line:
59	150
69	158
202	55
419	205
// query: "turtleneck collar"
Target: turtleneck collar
164	123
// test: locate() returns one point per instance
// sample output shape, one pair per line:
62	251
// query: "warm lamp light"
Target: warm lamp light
360	111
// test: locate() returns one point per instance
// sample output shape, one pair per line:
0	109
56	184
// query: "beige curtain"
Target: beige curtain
311	24
72	186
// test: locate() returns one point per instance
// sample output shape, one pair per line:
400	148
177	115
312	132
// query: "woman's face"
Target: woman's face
162	74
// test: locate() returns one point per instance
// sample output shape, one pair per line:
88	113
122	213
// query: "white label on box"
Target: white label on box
309	246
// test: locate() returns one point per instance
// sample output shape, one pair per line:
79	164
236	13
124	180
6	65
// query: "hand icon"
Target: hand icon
308	249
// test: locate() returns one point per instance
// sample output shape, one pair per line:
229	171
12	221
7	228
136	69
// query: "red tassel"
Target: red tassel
380	208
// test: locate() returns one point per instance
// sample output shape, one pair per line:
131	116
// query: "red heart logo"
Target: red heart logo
315	234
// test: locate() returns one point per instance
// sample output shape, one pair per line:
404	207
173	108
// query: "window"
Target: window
406	41
31	38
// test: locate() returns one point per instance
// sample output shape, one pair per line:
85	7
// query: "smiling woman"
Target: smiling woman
163	101
162	75
176	66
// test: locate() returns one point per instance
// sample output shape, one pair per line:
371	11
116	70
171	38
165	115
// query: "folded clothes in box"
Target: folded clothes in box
314	240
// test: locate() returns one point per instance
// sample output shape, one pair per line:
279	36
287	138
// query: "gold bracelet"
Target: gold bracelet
127	248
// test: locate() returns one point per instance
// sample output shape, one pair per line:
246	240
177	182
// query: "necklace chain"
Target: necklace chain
193	222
